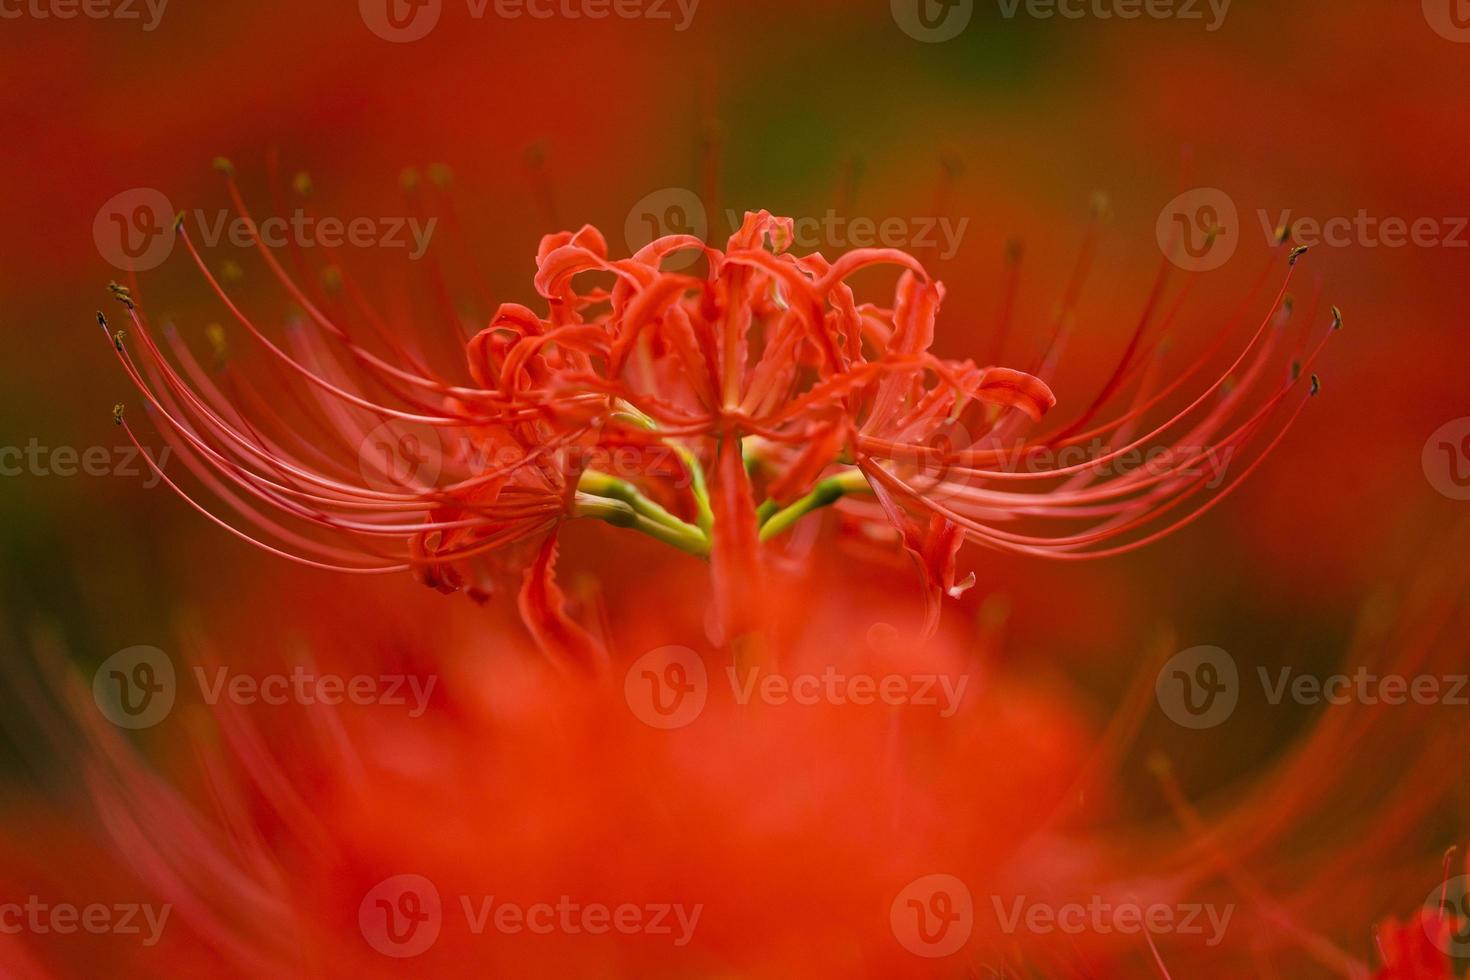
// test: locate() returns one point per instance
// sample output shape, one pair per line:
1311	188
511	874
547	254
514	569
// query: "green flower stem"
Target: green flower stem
619	513
823	494
629	415
699	488
602	485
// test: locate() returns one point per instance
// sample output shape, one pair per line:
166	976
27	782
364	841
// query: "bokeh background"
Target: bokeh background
1321	109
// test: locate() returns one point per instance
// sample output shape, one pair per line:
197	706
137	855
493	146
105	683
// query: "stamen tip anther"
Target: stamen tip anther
224	166
117	413
121	293
1297	253
219	345
1336	318
1316	384
301	184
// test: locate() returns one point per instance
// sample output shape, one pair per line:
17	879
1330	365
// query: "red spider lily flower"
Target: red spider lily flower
750	396
794	827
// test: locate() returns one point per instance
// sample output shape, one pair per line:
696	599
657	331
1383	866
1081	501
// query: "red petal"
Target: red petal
1016	389
543	608
735	552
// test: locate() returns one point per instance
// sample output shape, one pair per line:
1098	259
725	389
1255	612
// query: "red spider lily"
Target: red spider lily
749	396
794	827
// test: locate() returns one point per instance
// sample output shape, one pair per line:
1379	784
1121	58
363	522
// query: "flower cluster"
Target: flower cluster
733	403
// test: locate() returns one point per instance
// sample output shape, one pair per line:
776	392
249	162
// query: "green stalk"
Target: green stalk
618	513
698	487
823	494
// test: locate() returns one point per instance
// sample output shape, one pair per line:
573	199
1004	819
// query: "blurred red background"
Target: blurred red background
1324	110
